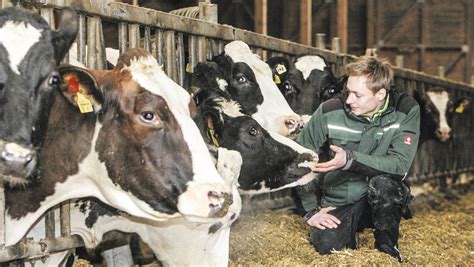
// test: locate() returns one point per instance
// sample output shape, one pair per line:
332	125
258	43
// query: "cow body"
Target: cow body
306	83
29	54
139	151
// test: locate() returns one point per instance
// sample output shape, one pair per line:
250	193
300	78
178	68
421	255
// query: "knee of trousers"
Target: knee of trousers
324	241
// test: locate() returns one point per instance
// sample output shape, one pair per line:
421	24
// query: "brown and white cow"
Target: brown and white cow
138	150
29	54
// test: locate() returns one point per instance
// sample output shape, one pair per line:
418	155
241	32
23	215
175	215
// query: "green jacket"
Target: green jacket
385	144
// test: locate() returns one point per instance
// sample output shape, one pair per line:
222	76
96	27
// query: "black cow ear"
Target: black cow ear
64	37
80	88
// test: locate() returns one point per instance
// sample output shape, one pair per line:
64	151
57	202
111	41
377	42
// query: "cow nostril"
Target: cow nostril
290	123
214	199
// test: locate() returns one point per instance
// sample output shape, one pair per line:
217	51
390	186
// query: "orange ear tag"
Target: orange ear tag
83	103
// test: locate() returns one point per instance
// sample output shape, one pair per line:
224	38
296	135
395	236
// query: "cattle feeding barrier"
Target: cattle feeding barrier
181	39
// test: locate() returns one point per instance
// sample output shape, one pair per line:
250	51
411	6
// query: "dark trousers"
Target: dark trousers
381	209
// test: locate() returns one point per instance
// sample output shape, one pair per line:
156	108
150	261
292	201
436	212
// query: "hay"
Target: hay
441	236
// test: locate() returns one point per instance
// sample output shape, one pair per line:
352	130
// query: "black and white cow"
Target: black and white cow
437	110
306	83
138	150
29	54
251	85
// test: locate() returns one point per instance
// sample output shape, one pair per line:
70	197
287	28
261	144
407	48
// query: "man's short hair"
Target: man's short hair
379	72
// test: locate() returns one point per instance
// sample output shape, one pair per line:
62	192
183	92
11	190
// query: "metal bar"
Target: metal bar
170	55
65	215
122	35
100	46
2	215
147	40
134	35
91	43
192	55
159	41
181	68
39	249
81	40
49	224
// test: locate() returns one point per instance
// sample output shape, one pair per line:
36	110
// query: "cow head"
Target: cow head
147	139
306	83
437	110
29	54
251	85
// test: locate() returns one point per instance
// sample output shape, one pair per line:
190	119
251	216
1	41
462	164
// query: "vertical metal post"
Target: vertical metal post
81	40
180	58
399	61
192	44
65	215
170	55
122	35
159	40
2	215
147	41
133	35
49	224
336	45
91	43
441	72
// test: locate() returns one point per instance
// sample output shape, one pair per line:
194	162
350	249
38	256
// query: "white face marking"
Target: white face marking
274	110
222	84
306	64
440	101
229	107
16	150
18	38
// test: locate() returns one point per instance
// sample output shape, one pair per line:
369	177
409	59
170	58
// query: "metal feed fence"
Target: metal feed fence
179	41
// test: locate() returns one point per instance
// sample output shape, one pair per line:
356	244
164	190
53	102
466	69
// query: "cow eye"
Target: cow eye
241	79
288	86
1	86
53	80
148	116
253	131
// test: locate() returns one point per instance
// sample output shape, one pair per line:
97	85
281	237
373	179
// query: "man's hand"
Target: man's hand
323	219
337	162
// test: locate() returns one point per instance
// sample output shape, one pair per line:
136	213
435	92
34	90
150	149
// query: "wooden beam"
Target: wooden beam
261	16
306	21
342	16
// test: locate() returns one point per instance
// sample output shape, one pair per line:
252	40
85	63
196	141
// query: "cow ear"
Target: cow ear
81	89
461	104
64	37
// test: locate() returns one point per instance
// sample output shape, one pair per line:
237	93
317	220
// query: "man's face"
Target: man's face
361	100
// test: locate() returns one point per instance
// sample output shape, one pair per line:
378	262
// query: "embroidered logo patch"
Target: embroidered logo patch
407	140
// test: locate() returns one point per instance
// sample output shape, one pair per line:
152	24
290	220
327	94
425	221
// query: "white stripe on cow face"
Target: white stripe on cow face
306	64
18	38
274	111
440	101
147	73
229	107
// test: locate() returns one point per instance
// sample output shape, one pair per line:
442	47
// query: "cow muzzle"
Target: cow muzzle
17	163
202	202
443	134
293	124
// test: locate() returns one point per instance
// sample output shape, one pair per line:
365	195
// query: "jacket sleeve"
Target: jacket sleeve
313	136
400	155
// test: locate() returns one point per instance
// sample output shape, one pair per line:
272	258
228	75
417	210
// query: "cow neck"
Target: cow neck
67	142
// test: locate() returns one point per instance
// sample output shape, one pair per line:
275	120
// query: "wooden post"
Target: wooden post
321	40
208	12
399	61
261	17
306	21
342	16
441	72
336	45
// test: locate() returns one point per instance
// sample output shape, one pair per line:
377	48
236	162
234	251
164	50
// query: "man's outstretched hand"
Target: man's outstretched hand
322	219
335	163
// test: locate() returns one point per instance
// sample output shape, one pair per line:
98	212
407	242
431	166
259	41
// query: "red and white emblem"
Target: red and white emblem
407	140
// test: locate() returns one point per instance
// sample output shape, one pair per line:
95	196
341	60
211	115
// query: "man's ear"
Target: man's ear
81	88
381	94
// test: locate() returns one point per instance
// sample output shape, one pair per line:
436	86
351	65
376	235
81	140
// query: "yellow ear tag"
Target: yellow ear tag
280	68
83	103
188	68
276	79
460	108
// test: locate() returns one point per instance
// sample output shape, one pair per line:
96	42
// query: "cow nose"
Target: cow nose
219	203
16	160
443	133
294	124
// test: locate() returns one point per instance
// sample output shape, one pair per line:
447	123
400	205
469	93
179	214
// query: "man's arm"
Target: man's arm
400	155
